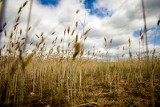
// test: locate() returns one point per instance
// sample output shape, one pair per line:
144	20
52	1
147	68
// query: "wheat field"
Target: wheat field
63	77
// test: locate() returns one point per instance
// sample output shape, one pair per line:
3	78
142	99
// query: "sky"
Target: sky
118	20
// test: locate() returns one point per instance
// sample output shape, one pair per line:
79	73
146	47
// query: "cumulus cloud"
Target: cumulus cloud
126	18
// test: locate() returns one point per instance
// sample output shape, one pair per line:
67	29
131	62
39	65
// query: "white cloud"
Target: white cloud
126	18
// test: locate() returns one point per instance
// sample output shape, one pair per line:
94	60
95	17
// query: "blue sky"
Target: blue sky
49	2
100	12
153	30
89	4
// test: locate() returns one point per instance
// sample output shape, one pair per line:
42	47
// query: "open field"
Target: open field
66	74
64	83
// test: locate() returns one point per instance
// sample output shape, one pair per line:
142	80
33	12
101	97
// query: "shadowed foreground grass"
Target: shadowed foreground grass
55	82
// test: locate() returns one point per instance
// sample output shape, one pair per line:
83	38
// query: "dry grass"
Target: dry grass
65	78
57	82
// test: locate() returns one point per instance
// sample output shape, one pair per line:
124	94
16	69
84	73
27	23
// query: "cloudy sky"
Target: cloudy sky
118	20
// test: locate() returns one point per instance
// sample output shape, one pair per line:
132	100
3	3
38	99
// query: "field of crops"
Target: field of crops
72	76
